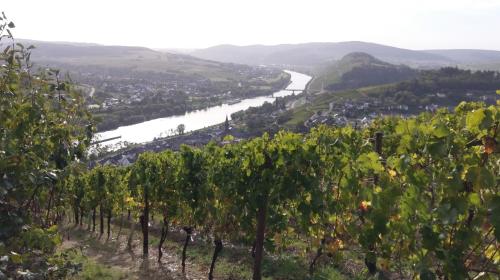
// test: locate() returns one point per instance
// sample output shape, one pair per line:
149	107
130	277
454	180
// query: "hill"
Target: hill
430	89
469	56
313	54
81	56
358	70
126	85
472	59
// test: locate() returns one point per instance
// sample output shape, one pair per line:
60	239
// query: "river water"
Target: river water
161	127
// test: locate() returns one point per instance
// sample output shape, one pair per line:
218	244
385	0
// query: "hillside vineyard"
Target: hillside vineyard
414	196
385	197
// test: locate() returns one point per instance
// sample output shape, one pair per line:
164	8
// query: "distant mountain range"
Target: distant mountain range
313	54
87	57
301	56
465	56
67	50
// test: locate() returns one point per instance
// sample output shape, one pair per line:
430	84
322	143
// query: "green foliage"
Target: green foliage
479	120
40	239
446	87
423	203
82	267
359	69
44	130
426	204
329	273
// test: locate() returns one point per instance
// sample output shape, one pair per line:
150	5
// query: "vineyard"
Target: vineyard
414	198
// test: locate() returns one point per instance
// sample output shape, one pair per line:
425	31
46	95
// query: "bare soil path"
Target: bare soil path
114	254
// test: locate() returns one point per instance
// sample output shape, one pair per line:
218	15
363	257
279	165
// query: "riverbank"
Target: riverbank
128	154
149	130
116	112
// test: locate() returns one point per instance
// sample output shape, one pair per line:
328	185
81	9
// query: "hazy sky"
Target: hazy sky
415	24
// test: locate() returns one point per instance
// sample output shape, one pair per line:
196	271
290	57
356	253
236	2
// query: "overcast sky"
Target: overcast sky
414	24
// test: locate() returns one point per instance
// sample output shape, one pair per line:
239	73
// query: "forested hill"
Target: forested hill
470	56
358	70
313	54
310	54
61	50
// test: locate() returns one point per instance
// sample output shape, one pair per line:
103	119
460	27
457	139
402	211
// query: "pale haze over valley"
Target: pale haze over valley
423	24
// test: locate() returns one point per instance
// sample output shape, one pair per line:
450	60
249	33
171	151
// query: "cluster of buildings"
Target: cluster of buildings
117	88
128	155
364	111
349	111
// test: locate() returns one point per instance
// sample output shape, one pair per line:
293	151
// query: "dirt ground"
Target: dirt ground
114	254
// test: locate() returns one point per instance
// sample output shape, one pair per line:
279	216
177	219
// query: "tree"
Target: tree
226	125
180	129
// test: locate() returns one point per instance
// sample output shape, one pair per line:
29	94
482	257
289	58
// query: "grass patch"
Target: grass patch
300	115
153	241
328	273
284	267
92	270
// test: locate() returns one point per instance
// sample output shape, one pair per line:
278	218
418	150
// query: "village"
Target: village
198	138
114	88
362	112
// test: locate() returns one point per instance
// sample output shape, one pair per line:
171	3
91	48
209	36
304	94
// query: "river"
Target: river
161	127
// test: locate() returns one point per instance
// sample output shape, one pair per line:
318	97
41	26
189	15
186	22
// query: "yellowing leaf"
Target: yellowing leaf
278	239
474	199
489	145
334	246
332	219
364	205
384	263
392	173
314	219
491	252
308	198
16	258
